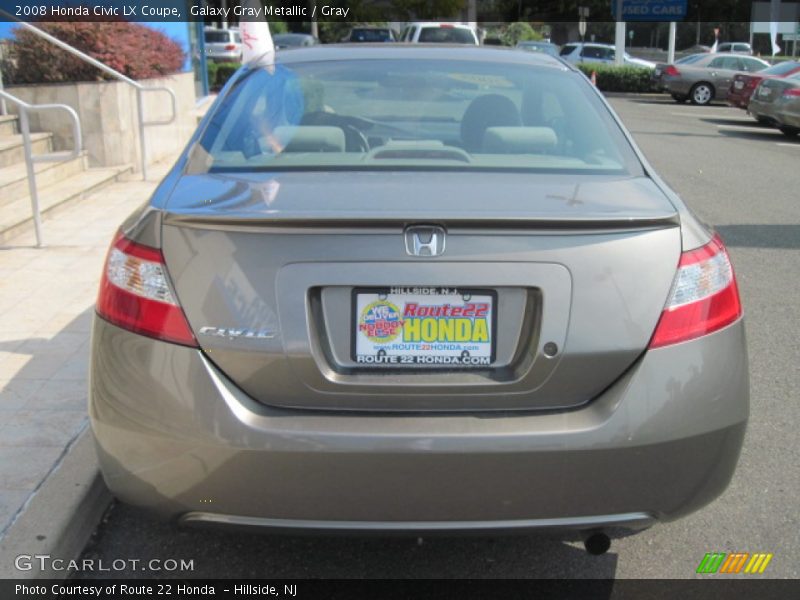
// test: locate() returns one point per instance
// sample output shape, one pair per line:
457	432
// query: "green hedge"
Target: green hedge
619	79
211	69
219	73
224	72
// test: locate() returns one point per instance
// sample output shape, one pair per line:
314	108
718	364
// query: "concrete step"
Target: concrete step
14	179
16	216
12	150
9	125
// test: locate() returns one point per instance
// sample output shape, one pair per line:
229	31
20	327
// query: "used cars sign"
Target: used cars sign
651	10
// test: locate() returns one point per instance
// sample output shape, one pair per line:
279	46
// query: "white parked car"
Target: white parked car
439	33
599	53
735	48
223	45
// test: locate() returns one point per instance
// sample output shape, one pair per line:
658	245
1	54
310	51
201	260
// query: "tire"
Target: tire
764	120
790	132
679	98
701	93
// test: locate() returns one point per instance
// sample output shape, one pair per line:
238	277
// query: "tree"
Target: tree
519	32
133	49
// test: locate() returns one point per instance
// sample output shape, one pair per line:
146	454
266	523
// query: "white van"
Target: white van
439	33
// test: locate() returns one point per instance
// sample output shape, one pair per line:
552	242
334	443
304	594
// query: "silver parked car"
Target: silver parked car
777	100
546	47
417	289
284	41
577	53
223	45
706	78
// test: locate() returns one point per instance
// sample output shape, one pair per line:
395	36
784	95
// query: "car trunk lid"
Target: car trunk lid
269	268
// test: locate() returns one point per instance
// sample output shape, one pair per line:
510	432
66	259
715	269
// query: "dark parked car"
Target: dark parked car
744	83
409	288
370	34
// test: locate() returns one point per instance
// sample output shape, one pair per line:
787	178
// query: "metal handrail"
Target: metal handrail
31	158
140	89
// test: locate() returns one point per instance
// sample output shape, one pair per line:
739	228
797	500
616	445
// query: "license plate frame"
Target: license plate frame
411	348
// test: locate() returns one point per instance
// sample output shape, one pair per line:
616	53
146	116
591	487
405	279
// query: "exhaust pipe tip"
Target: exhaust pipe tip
597	544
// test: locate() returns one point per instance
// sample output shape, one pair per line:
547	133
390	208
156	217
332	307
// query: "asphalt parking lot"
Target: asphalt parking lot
737	175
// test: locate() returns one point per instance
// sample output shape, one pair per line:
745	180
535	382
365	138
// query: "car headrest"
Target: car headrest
518	140
311	138
490	110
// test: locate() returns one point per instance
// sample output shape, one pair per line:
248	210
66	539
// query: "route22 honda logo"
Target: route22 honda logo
380	322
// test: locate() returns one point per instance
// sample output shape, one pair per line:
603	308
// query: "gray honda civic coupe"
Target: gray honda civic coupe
416	290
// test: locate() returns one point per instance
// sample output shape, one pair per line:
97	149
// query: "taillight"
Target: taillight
230	47
672	71
752	82
704	296
135	294
792	93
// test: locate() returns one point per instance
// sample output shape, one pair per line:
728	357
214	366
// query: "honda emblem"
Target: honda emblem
425	240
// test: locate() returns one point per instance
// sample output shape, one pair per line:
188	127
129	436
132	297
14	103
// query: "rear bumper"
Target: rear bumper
226	56
738	99
788	118
675	86
174	435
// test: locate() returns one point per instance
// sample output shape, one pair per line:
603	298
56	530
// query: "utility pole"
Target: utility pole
671	48
583	14
619	37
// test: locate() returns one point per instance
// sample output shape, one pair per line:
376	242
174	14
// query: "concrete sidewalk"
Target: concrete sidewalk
47	298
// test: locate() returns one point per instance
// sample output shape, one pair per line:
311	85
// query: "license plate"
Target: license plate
764	91
658	72
738	84
424	327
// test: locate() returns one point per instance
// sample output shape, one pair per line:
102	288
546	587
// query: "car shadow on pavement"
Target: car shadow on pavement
735	121
761	236
758	133
130	533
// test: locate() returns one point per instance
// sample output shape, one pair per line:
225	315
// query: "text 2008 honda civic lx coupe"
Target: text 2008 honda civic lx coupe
417	289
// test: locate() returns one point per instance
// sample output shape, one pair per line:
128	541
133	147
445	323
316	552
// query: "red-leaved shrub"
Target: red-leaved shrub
130	48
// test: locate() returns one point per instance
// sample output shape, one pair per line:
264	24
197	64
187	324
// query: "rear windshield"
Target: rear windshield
370	35
412	114
217	37
687	60
446	35
781	68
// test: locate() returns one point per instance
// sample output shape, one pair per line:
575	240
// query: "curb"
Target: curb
59	519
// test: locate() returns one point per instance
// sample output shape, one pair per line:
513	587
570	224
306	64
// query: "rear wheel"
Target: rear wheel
701	93
679	98
790	132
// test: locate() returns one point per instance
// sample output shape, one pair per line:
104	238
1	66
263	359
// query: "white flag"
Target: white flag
257	42
774	17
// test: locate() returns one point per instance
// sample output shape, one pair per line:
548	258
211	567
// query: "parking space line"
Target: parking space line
755	129
788	145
